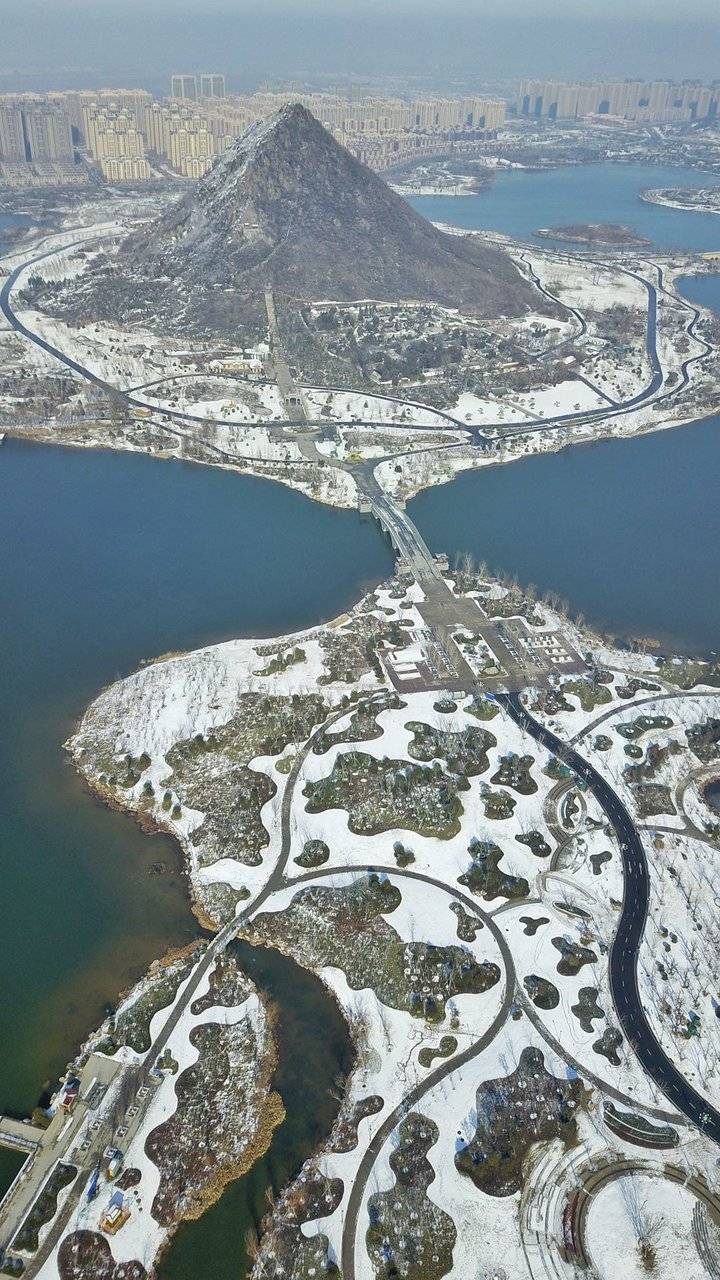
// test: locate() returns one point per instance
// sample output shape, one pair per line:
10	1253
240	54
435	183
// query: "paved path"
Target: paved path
624	951
137	1076
630	706
429	1082
577	418
658	1113
594	1178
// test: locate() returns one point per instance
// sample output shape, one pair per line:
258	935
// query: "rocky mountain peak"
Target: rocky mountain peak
287	207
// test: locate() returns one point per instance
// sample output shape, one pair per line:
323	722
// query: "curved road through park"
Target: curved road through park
140	1075
628	936
567	419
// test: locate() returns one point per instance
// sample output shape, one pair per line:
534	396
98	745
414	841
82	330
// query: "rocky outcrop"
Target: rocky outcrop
288	207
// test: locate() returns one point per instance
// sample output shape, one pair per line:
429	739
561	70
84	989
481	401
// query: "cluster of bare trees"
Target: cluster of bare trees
679	969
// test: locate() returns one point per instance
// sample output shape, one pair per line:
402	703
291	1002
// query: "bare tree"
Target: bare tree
645	1224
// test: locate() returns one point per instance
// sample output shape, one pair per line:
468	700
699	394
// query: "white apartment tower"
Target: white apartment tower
12	137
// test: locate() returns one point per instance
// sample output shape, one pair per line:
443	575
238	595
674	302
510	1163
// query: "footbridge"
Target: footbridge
20	1135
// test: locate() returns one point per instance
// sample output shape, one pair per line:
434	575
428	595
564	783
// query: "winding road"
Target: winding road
625	946
476	434
624	951
13	1211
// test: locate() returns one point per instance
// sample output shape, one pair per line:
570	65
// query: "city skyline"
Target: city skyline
130	136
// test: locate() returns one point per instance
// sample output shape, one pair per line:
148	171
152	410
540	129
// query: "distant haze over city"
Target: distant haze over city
85	44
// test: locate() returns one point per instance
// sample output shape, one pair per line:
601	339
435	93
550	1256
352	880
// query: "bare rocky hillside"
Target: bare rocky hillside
287	207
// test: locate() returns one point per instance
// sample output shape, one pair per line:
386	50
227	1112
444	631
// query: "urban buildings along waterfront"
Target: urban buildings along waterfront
131	137
652	102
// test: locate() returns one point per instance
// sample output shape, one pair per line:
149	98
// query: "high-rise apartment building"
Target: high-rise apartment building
184	86
181	135
47	133
74	101
212	85
199	122
12	135
116	143
35	130
656	101
381	131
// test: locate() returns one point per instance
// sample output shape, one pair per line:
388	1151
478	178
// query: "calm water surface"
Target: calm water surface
11	1163
8	220
704	291
314	1054
712	794
629	529
626	530
111	558
520	203
108	559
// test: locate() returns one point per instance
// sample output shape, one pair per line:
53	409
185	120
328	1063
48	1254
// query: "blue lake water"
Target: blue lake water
704	291
629	529
712	795
626	530
111	558
519	203
8	220
108	559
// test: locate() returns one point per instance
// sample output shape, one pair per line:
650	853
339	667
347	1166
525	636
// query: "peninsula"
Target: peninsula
488	831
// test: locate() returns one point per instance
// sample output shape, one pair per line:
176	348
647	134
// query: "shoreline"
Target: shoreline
35	437
657	197
565	234
150	823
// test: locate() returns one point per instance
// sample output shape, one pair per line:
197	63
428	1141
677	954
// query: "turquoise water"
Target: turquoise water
108	559
520	203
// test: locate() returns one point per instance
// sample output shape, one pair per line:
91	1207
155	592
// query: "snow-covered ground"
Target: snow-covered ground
661	1209
569	894
358	406
615	366
571	899
142	1236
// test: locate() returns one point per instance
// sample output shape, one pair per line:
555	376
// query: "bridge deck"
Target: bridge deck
18	1136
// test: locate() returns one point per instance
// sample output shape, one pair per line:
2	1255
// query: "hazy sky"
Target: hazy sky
140	41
